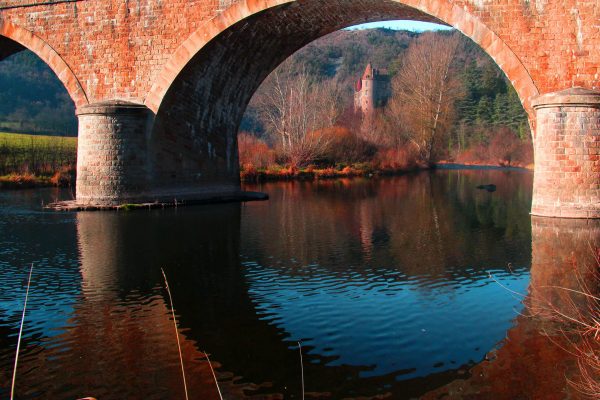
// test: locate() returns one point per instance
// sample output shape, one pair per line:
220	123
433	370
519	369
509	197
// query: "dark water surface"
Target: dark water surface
385	282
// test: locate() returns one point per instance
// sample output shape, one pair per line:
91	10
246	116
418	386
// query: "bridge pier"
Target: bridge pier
112	153
122	161
567	154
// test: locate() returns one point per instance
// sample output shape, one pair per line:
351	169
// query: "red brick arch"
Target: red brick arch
44	51
442	10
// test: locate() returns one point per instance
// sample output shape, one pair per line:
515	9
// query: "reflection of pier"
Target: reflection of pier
529	365
123	320
120	341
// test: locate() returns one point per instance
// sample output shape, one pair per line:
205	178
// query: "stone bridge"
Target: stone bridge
160	86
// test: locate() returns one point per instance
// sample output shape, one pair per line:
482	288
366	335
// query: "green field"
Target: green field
36	154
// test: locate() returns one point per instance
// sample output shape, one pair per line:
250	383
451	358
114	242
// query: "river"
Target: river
395	287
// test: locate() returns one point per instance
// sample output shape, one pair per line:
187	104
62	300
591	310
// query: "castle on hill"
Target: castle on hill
372	91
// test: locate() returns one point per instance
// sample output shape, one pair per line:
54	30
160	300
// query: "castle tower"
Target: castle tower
365	96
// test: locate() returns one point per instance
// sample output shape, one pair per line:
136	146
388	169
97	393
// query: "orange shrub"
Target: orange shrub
22	180
326	173
504	149
345	147
63	177
254	152
401	158
25	178
348	171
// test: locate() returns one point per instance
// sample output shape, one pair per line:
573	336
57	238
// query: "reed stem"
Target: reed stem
214	376
301	367
14	377
176	334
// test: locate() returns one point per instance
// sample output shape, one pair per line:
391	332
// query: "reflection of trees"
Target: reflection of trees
121	323
124	312
426	224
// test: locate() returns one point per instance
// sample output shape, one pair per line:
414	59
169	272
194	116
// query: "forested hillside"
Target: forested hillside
32	99
485	123
490	99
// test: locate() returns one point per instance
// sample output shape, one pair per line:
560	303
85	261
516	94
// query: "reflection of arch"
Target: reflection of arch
563	257
435	10
44	51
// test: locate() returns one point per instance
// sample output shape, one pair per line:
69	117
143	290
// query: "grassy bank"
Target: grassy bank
34	160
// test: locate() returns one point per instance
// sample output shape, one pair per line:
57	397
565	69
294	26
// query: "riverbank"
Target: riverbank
31	161
454	164
282	173
15	181
66	177
37	161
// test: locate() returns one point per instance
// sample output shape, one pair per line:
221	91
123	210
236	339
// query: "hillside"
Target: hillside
490	99
32	99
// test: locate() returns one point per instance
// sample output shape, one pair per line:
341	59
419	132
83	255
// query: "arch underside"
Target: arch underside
9	47
194	140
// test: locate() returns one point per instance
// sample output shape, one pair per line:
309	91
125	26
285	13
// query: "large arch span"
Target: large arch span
202	92
439	11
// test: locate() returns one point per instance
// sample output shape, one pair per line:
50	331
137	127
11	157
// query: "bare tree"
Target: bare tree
425	92
297	110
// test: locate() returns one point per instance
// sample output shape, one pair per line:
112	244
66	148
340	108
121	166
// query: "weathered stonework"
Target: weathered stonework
567	154
112	154
122	159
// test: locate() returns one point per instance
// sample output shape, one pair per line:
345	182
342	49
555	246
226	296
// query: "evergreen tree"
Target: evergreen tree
484	111
500	116
492	81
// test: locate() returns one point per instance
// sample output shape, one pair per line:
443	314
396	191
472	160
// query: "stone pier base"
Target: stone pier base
117	169
112	154
567	154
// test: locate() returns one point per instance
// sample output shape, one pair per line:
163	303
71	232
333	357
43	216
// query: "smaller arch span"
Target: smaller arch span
441	11
44	51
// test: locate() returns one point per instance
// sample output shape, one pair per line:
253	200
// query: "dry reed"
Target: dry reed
574	316
176	333
14	377
578	318
214	376
301	368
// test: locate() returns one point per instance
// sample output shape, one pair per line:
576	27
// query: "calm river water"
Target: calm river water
395	287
